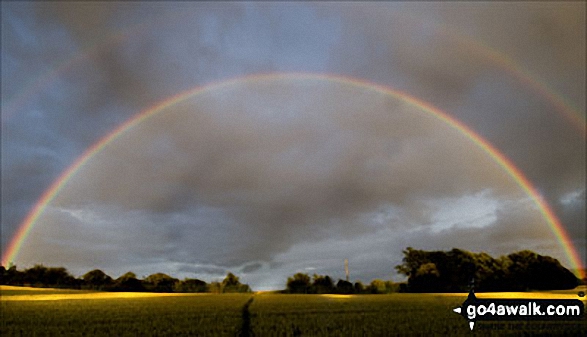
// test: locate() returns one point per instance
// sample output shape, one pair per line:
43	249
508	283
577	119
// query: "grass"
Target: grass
33	312
381	315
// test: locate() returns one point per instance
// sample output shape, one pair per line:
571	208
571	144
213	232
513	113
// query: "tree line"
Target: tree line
459	270
456	270
41	276
427	271
301	283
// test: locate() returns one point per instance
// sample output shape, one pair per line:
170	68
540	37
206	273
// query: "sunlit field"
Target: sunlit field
30	311
120	314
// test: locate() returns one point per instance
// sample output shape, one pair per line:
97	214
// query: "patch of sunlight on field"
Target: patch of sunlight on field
3	288
513	295
9	291
337	296
555	294
529	295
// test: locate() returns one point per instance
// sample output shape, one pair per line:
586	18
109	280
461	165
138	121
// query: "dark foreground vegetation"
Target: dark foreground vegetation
427	271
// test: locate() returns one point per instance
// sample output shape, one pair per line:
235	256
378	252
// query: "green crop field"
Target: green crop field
29	312
126	315
379	315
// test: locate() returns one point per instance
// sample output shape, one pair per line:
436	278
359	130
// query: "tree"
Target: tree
298	284
344	287
97	279
34	276
426	278
376	287
532	271
160	282
231	284
12	276
322	284
215	287
412	260
391	287
127	282
454	270
2	275
59	277
191	286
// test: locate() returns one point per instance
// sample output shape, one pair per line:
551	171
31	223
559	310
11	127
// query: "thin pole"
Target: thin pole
346	268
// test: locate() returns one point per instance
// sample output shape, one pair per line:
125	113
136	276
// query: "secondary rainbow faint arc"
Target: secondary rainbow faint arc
515	69
567	109
553	222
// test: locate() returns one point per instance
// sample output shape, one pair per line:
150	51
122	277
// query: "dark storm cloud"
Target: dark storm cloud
234	176
248	171
249	268
115	60
208	270
449	54
447	67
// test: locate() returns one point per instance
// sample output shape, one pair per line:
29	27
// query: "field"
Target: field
52	312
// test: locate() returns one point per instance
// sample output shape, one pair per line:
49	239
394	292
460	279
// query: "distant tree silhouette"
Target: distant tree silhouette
10	275
231	284
127	282
427	278
359	288
60	278
298	284
41	276
344	287
35	276
160	282
534	271
230	281
191	286
322	284
97	279
376	287
215	287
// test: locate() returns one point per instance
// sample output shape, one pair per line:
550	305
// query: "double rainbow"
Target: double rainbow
554	223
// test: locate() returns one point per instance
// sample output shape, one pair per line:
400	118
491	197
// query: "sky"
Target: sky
303	167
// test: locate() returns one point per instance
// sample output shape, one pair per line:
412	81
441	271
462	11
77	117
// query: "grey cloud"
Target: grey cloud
250	268
514	229
250	170
209	270
502	81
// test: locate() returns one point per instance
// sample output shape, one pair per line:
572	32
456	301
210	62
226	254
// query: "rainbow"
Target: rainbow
68	65
568	110
553	222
